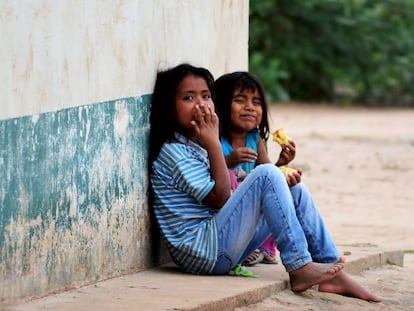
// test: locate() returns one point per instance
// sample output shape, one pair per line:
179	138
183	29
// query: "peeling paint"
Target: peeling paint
73	206
72	182
35	118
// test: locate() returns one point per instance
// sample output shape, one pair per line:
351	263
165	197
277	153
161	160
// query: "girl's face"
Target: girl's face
246	110
191	91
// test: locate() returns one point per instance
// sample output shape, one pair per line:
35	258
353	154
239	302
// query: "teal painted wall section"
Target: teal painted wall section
73	205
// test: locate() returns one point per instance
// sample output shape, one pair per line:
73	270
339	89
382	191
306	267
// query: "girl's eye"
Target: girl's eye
238	99
188	97
206	96
257	103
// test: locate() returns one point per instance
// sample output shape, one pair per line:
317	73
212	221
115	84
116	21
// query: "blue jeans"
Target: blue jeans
264	204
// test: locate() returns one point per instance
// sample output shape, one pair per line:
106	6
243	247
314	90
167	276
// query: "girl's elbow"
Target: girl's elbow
223	199
217	201
218	204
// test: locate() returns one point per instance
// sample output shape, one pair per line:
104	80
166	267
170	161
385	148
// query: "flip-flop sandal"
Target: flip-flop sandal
268	259
253	258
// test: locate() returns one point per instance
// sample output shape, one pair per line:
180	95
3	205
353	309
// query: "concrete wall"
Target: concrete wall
75	94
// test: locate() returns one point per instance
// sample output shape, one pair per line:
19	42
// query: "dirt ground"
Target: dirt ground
359	165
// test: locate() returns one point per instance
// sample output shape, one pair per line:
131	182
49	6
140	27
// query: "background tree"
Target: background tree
330	50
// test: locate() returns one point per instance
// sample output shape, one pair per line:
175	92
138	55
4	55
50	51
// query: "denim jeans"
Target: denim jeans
264	204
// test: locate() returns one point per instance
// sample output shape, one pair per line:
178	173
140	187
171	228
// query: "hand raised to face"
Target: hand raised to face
206	124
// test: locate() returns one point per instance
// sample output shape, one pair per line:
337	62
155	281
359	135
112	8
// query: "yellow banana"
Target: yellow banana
280	137
286	170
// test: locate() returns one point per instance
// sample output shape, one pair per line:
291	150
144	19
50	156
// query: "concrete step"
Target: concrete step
167	288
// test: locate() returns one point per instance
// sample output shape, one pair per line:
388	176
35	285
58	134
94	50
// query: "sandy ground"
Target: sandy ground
359	165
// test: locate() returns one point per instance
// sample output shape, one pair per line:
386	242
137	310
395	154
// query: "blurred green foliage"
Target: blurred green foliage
334	50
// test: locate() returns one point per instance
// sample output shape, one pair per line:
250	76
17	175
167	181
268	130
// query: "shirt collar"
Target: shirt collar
184	140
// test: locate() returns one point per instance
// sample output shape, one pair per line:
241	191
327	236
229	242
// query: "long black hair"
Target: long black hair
224	88
163	123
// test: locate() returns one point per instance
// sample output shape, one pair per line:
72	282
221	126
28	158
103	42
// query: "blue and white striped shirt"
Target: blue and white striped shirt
181	179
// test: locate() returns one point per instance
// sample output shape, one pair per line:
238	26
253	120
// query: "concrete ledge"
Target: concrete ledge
367	256
167	288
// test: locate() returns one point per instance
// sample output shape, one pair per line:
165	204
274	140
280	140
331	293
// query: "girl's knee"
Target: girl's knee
270	169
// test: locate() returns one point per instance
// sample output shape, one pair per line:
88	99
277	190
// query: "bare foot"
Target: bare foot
313	273
343	284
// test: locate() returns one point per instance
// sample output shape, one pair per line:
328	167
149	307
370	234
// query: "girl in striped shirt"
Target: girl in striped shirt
207	230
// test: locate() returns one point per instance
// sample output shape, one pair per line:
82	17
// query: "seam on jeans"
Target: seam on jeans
300	261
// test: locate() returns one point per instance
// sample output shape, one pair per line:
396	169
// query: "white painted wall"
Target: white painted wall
57	54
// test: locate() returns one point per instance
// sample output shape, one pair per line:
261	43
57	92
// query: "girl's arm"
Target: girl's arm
206	126
219	172
262	156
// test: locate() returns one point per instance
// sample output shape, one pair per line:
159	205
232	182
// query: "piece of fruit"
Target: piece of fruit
280	136
286	170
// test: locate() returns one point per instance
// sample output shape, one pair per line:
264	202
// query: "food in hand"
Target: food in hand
280	137
286	170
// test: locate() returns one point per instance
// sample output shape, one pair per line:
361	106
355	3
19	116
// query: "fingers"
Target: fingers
294	178
289	146
249	152
198	114
249	158
205	113
288	152
205	123
245	154
212	114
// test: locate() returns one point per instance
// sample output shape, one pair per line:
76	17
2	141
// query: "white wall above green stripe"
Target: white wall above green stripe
61	54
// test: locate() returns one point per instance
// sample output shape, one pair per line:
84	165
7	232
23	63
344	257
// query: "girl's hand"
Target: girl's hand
294	177
206	125
240	155
287	154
